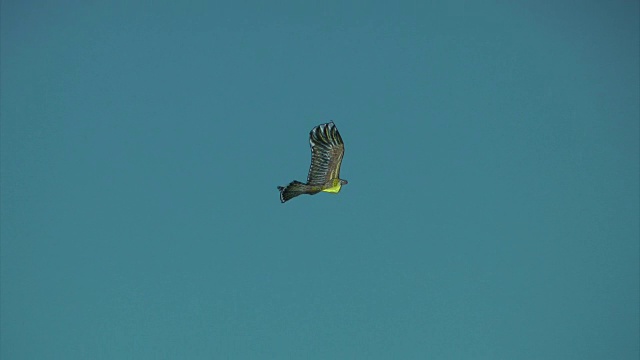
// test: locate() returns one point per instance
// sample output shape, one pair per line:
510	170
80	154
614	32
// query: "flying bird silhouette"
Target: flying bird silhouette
327	150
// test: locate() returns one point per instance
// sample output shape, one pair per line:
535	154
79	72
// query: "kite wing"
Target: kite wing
327	150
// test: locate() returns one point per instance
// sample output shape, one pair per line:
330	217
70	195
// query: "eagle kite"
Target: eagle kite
327	150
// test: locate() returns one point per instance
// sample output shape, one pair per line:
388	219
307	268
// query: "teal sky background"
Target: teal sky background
492	154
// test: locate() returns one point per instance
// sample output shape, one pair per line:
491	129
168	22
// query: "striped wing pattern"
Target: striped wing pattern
327	150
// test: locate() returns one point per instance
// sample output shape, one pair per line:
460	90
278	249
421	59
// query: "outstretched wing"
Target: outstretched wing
327	150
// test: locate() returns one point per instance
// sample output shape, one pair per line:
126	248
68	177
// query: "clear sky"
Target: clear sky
492	154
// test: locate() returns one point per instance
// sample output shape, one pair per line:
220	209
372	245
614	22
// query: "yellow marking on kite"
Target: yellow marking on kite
335	188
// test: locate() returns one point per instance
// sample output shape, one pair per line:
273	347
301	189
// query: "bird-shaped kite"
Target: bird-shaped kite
327	150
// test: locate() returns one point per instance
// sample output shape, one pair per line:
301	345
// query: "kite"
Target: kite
327	150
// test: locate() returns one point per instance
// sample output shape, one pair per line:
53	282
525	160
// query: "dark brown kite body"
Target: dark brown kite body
327	150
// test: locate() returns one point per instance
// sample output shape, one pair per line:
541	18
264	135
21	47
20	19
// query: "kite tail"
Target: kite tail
296	188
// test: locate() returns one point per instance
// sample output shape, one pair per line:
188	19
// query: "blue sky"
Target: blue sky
492	154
